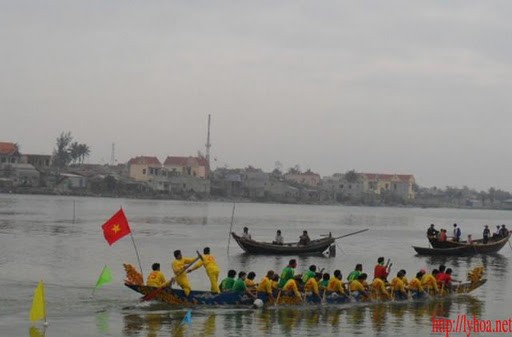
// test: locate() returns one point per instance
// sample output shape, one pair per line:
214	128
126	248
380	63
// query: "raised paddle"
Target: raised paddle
342	236
157	291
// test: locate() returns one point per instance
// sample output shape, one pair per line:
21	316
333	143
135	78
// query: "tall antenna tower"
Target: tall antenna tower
113	155
208	145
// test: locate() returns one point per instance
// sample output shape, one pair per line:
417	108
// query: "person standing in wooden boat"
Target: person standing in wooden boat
287	273
432	232
279	240
211	268
503	231
265	285
156	278
496	234
229	281
486	234
304	239
456	233
415	287
179	265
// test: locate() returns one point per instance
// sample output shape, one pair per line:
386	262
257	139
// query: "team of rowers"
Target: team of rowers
317	283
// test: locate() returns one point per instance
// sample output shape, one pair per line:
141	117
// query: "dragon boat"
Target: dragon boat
176	297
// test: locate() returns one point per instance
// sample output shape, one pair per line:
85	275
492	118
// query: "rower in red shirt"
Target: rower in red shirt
382	271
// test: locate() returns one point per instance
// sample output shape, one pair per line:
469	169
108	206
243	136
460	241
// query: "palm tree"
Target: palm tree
84	152
74	152
61	152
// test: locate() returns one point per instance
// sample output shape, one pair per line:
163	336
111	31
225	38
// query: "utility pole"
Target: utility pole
208	145
113	155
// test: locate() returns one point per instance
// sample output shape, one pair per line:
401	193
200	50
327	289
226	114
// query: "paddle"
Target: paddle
231	226
343	236
157	291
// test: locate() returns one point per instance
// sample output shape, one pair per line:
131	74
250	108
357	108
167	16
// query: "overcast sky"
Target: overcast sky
381	86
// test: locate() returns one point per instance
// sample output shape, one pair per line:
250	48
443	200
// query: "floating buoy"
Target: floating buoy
258	303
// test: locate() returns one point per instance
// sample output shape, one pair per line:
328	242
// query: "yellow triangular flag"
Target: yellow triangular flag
38	310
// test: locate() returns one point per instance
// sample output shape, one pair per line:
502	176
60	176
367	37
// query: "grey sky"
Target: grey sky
382	86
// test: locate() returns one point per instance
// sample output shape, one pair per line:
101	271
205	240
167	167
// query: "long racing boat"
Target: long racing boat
176	297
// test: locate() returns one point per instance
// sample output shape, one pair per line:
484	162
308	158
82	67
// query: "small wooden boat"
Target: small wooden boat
454	251
313	247
176	297
257	247
476	247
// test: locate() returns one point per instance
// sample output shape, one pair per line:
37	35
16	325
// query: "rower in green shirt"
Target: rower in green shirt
287	273
240	287
309	274
355	274
228	282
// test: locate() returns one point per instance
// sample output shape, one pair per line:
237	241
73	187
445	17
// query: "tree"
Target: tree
294	170
352	176
83	152
61	153
67	151
74	152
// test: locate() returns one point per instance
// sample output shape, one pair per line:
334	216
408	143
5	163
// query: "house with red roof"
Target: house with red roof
9	153
397	184
144	168
187	166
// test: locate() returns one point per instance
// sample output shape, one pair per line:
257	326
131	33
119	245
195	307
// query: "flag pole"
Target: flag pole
44	306
137	253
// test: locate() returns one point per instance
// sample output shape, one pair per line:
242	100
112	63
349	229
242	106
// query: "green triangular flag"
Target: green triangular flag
105	277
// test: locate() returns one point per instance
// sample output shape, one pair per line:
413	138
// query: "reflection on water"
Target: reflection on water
381	318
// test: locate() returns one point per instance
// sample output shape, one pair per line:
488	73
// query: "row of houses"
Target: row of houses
309	186
191	175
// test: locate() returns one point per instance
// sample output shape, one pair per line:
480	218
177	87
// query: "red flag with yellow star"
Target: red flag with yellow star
116	227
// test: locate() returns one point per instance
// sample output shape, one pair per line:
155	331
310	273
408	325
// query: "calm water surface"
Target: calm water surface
40	240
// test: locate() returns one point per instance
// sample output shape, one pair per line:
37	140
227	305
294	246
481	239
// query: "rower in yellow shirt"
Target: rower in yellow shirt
429	282
211	268
398	286
249	281
292	287
415	286
379	290
312	285
179	266
335	283
358	289
156	278
265	285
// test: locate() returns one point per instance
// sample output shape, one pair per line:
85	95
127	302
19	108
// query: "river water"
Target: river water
59	240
